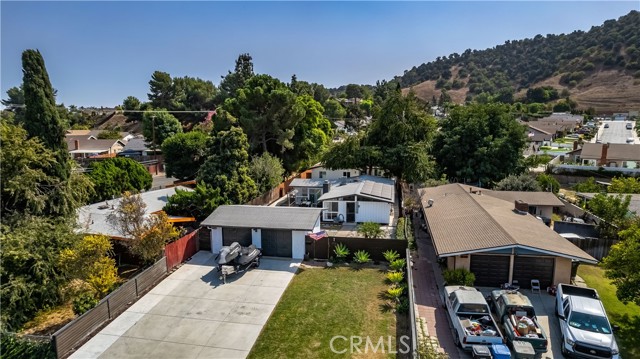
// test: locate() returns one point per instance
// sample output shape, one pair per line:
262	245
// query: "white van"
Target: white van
629	126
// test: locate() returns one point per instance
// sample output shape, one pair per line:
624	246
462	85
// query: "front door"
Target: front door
351	212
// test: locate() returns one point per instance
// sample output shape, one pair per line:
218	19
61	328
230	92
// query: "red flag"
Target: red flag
209	115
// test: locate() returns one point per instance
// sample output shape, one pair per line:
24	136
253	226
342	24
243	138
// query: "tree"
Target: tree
114	176
370	230
227	166
334	110
199	203
15	99
30	275
161	90
131	103
90	260
109	134
266	171
480	143
184	153
353	91
622	264
41	118
522	182
588	186
145	236
624	185
548	183
27	187
613	210
165	124
238	78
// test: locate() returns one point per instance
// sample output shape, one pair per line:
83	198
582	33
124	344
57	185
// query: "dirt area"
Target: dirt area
48	322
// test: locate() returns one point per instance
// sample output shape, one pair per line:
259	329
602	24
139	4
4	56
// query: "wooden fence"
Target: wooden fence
598	248
72	335
323	248
413	308
181	250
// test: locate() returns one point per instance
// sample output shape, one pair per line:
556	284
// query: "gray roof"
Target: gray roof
461	222
92	218
379	188
86	145
136	144
309	182
293	218
615	151
531	198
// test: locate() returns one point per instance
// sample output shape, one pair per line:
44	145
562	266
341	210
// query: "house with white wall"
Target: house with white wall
358	200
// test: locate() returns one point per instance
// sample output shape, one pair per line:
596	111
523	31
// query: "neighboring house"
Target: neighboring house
84	147
136	147
563	117
278	231
634	205
124	136
539	137
495	239
609	155
319	172
536	203
358	200
92	219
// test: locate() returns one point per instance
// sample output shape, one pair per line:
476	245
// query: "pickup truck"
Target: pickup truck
518	318
470	317
586	331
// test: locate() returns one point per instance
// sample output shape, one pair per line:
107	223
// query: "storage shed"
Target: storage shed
278	231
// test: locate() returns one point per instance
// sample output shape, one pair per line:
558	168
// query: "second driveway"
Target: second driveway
191	314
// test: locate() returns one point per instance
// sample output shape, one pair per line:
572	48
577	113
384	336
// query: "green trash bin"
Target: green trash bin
523	350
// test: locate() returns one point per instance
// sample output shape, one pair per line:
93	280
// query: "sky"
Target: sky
98	53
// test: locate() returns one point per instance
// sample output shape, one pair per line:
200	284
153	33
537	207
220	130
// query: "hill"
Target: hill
599	68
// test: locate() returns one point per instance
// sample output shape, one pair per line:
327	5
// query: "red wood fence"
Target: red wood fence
182	249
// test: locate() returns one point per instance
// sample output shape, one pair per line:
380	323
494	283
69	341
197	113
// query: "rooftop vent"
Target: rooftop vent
430	202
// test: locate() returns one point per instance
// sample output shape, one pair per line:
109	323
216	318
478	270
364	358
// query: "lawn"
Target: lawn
626	316
322	303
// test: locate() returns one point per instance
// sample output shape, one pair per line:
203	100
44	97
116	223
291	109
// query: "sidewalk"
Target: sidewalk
428	283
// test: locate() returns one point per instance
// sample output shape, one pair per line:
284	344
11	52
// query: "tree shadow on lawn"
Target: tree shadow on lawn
627	336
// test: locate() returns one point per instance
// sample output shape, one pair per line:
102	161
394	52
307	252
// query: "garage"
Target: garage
527	268
276	243
490	270
236	234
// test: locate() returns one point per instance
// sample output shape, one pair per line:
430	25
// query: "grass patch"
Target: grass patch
47	322
322	303
627	316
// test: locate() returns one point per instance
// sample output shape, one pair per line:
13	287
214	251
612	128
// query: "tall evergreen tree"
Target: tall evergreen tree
41	118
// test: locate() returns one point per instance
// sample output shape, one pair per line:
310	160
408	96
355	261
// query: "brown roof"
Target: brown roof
531	198
461	222
87	145
616	151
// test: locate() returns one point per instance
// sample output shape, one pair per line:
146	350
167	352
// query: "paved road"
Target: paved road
190	314
616	133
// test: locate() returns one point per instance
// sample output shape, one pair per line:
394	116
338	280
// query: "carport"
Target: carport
278	231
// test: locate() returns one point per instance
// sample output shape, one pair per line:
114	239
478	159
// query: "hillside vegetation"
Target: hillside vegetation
599	68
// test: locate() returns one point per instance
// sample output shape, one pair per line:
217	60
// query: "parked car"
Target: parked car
586	331
606	125
631	140
629	126
518	318
470	317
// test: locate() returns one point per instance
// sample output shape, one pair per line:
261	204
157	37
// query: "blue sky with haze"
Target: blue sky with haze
98	53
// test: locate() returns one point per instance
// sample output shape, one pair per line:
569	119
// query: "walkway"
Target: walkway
428	282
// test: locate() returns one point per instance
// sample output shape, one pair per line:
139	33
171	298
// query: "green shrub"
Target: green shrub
398	265
12	346
370	230
402	306
341	252
459	276
390	255
361	257
394	293
395	277
83	302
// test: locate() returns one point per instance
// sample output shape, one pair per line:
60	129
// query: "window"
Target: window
346	174
330	210
323	174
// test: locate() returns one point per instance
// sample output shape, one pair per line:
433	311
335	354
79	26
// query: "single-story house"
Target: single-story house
92	219
124	136
539	137
278	231
609	155
319	172
495	239
537	203
358	200
136	147
83	146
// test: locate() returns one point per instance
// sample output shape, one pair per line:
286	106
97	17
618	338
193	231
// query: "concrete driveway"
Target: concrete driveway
191	314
